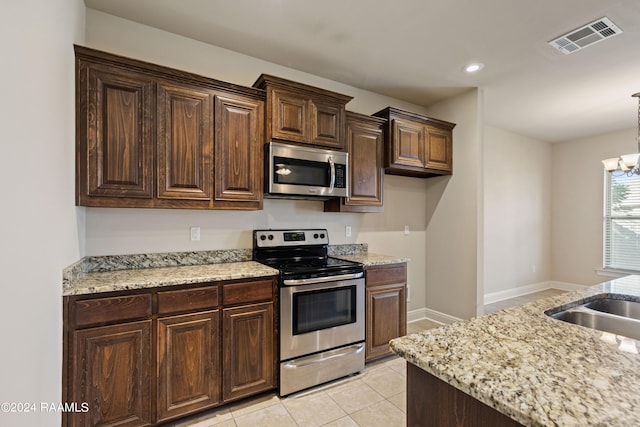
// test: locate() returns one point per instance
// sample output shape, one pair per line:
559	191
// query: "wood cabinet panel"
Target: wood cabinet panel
188	363
111	372
145	137
116	139
327	125
111	309
290	116
408	149
185	142
386	313
247	292
164	358
382	275
386	305
432	402
238	152
303	114
416	145
187	300
438	153
365	144
248	350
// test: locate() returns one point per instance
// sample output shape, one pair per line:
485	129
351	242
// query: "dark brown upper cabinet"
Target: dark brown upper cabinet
416	145
238	152
303	114
365	147
115	125
185	142
154	137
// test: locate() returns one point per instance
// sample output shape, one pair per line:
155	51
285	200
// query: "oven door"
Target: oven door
304	171
320	316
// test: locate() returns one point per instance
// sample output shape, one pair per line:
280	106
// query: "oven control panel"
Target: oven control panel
274	238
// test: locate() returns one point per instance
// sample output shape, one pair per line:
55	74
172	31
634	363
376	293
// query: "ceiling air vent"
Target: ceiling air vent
586	35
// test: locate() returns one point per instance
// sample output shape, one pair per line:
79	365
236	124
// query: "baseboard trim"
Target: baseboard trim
445	319
431	315
529	289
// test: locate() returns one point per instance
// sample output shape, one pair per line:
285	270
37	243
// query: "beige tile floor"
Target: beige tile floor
375	397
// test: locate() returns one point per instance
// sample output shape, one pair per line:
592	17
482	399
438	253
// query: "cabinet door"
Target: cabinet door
111	372
327	125
248	350
408	144
365	145
289	116
116	139
386	317
438	149
188	363
239	149
185	142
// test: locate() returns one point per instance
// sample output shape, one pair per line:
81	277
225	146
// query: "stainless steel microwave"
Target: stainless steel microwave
302	172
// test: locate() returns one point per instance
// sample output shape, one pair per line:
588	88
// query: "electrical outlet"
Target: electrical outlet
406	230
347	231
195	233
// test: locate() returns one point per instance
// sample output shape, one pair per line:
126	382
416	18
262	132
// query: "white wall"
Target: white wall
577	204
452	283
517	210
40	225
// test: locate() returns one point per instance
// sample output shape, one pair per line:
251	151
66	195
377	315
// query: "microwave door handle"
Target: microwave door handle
332	166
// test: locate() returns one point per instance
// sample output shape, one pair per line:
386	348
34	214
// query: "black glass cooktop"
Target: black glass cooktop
302	265
300	254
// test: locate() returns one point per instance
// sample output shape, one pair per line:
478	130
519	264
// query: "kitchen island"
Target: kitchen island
525	368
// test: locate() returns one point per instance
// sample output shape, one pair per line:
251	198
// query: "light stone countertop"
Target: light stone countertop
535	369
369	259
96	274
118	280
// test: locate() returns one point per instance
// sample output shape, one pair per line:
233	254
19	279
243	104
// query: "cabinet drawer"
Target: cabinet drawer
394	273
187	300
111	309
247	292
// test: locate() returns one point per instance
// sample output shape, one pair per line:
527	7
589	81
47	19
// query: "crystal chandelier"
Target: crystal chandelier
628	164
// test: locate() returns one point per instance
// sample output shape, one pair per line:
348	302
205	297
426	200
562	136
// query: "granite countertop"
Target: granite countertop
369	259
537	370
118	280
96	274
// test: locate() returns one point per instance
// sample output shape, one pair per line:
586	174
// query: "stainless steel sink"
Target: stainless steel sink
605	312
618	307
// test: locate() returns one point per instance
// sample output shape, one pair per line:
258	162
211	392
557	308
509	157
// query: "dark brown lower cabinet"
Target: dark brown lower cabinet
386	305
249	357
188	363
112	373
433	402
144	357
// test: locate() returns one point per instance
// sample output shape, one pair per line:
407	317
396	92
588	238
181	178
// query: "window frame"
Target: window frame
609	217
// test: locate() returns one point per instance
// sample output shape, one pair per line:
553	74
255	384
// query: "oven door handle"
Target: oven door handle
354	349
293	282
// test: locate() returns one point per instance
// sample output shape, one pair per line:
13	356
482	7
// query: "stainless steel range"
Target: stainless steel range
322	325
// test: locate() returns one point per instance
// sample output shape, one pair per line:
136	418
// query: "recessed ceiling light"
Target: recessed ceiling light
474	68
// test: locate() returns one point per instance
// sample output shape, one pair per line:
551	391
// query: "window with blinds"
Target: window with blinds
622	222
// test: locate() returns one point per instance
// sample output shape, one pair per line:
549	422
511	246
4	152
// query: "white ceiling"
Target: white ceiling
415	50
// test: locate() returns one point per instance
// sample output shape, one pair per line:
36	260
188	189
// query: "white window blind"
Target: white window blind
622	222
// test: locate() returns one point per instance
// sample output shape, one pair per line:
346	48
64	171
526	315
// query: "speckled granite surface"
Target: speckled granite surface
537	370
118	280
369	259
96	274
348	249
